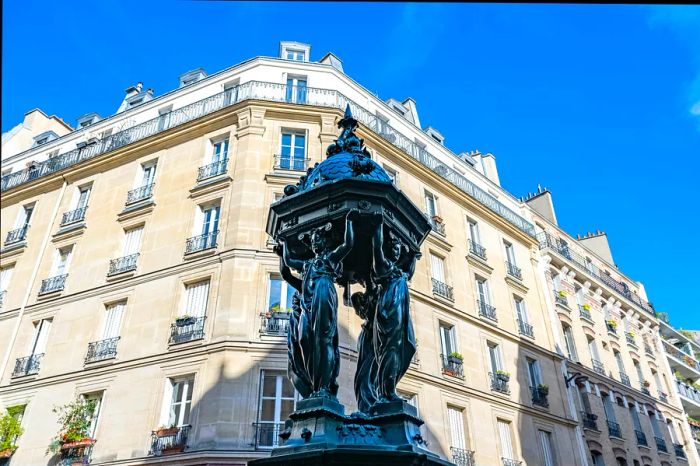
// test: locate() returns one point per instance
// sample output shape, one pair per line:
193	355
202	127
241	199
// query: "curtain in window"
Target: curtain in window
438	268
456	419
196	299
113	320
41	336
505	438
546	445
494	358
5	275
132	241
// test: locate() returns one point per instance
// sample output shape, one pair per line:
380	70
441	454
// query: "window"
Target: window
556	282
164	117
597	459
136	102
231	92
533	372
638	370
113	320
579	293
447	339
593	350
474	231
393	174
382	124
510	252
635	418
569	342
506	441
296	55
97	399
62	261
82	197
210	219
280	294
482	290
609	408
520	310
655	424
196	295
437	265
292	151
455	416
411	398
430	205
147	175
24	216
296	89
546	448
5	276
277	401
657	380
41	336
618	360
132	241
494	357
219	150
177	401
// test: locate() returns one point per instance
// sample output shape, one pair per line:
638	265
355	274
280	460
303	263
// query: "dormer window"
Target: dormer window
43	138
136	102
295	51
87	120
296	55
41	141
192	77
433	133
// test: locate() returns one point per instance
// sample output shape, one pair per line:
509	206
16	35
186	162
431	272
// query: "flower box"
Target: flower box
543	389
78	443
280	315
437	219
6	453
503	376
562	293
185	321
172	450
587	307
167	431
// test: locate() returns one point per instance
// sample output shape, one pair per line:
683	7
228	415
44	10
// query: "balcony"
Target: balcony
560	299
539	396
679	451
688	391
589	420
661	444
201	242
641	438
499	383
452	365
663	397
275	323
53	284
486	310
186	329
443	290
648	350
267	434
598	366
612	328
681	356
101	350
28	365
76	453
585	313
437	225
511	462
477	250
624	379
169	441
15	236
614	429
73	216
645	389
462	457
629	337
526	329
288	162
513	270
212	170
123	264
140	194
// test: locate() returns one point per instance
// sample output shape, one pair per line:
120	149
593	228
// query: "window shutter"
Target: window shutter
504	435
196	304
456	427
113	320
546	444
132	241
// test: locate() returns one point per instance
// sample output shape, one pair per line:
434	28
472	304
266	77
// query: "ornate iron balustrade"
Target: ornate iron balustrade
289	162
663	397
539	398
189	332
511	462
140	194
102	349
486	310
212	170
499	383
648	350
169	442
53	284
513	270
589	420
442	289
77	453
598	366
17	235
585	313
123	264
72	216
630	339
259	90
624	378
477	249
614	429
267	434
201	242
462	457
645	390
548	241
275	323
28	365
526	329
438	226
678	449
611	328
559	299
661	444
452	365
641	438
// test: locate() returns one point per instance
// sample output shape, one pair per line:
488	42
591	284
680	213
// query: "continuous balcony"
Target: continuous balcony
681	357
511	462
526	329
462	457
140	194
101	350
641	438
267	434
169	441
186	329
53	284
17	235
28	365
688	391
274	323
513	270
212	170
648	350
645	389
289	162
123	264
589	420
201	242
442	289
661	444
499	383
614	429
73	216
258	90
452	365
486	310
477	250
598	366
539	397
437	225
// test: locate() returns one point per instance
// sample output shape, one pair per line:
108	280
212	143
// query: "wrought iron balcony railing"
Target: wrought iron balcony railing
442	289
168	441
53	284
140	194
289	162
663	397
477	249
645	390
189	331
76	453
267	434
462	457
438	226
201	242
614	429
611	328
73	216
641	438
648	350
585	313
28	365
486	310
630	339
625	379
123	264
452	365
526	329
212	170
511	462
589	420
513	270
661	444
598	366
102	349
17	235
678	449
539	397
274	323
499	383
559	299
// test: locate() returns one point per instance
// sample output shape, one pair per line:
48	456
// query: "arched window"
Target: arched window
597	458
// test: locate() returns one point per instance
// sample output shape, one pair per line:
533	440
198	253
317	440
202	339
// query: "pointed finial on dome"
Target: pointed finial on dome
347	140
348	121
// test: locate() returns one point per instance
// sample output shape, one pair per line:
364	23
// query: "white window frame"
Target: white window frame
534	372
546	447
132	240
292	90
493	351
280	378
193	305
146	174
214	144
447	337
42	329
286	291
437	268
474	233
428	196
510	252
62	260
455	419
521	309
293	133
169	416
483	291
95	418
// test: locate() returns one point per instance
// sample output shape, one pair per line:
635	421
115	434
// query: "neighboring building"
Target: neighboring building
137	274
36	130
621	383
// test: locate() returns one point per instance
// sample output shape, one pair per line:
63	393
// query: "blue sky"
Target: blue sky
601	104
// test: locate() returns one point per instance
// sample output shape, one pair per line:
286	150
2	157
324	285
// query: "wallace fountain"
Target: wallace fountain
345	223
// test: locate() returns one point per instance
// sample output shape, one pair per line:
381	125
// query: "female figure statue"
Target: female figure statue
365	305
394	340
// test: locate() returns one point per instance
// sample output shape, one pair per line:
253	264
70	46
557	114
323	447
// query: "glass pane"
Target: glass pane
175	413
186	415
275	294
269	386
287	407
177	392
267	410
190	387
287	388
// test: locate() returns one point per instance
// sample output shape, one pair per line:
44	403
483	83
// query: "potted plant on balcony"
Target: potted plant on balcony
167	431
543	389
75	419
455	358
646	384
10	430
502	375
185	320
612	324
437	219
562	293
280	312
587	307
